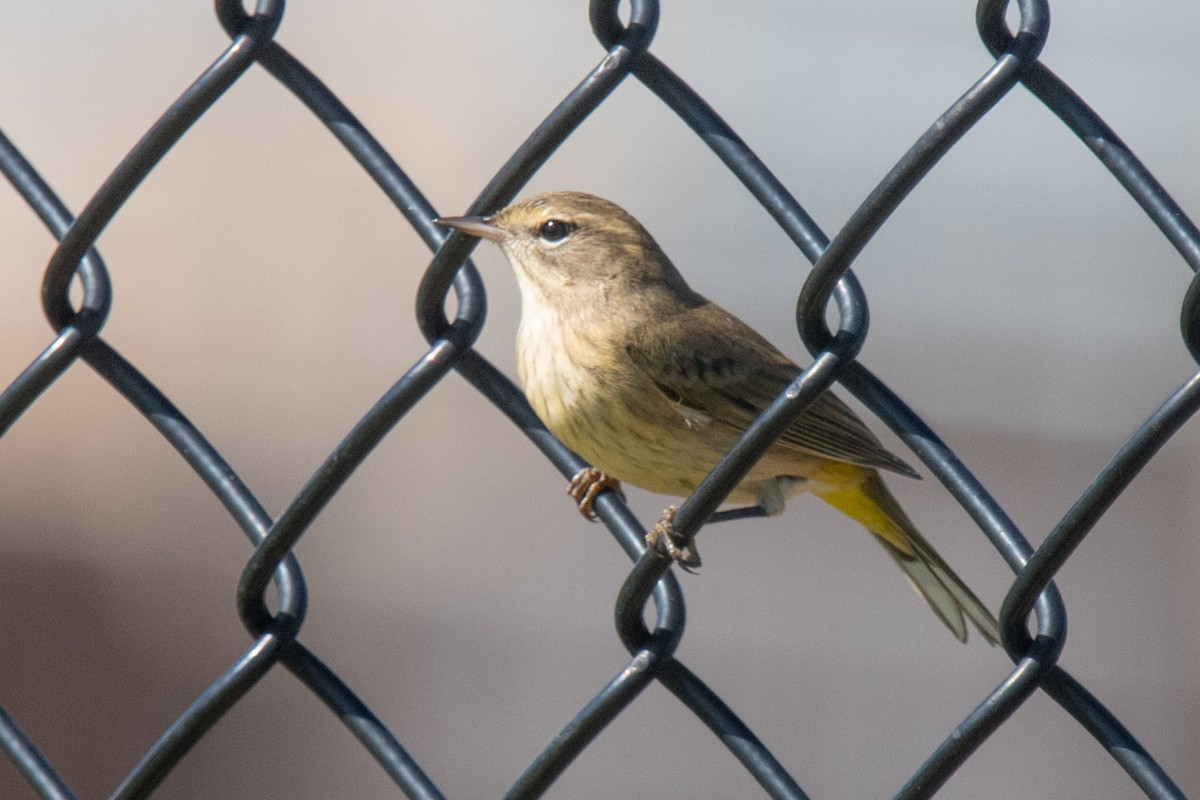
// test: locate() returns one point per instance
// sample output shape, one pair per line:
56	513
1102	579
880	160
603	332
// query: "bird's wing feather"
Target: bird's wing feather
730	373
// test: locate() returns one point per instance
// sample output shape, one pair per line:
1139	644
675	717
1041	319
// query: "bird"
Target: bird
652	384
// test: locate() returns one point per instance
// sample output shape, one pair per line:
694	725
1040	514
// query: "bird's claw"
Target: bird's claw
586	486
664	538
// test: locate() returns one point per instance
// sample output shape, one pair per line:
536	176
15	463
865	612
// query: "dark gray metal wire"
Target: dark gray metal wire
77	337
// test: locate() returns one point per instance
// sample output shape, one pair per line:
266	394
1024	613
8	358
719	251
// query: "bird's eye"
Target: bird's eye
555	230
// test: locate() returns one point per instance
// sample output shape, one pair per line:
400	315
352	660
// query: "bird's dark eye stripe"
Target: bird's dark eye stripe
555	230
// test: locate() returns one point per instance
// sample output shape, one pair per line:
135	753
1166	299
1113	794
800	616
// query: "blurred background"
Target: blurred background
1020	302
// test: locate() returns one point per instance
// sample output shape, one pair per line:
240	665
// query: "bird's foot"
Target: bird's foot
586	486
664	538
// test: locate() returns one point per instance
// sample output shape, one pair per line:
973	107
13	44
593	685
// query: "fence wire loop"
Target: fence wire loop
1031	34
275	636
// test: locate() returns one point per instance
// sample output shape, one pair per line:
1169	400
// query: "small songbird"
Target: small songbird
652	384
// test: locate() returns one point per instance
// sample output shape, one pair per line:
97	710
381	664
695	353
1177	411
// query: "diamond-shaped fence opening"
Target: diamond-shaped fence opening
232	346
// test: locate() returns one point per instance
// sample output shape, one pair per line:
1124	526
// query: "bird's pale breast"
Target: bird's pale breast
601	405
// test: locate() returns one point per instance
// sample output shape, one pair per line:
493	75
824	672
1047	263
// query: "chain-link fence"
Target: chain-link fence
272	598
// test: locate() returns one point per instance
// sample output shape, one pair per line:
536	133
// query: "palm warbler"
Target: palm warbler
652	384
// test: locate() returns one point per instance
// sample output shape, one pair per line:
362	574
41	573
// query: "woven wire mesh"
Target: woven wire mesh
272	598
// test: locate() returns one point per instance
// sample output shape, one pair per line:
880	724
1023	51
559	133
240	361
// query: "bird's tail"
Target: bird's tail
867	500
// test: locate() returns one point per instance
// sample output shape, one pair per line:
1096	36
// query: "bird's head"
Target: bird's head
572	241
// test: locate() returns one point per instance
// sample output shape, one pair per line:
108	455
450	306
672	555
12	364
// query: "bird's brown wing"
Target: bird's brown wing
729	373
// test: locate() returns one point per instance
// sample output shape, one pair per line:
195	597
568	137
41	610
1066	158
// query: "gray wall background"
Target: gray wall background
1019	300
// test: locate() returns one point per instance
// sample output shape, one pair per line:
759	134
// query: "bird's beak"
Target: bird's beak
483	227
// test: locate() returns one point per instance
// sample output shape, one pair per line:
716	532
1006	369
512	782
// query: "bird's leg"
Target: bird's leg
745	512
664	538
587	484
772	495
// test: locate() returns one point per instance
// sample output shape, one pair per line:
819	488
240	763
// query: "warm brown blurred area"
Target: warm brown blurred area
1020	302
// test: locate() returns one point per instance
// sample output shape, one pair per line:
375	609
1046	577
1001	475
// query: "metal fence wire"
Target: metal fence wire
1033	617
